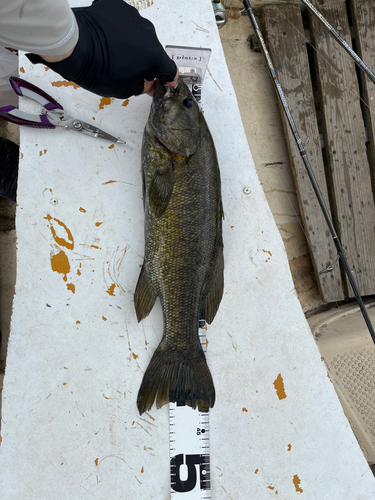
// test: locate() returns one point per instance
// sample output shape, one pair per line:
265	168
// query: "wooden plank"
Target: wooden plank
348	175
289	55
363	14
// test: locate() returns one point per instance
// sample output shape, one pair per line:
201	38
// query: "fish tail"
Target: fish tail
184	381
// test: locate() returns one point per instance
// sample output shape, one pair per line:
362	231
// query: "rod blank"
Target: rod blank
340	40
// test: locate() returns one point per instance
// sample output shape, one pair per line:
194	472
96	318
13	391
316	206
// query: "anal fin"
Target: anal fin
144	297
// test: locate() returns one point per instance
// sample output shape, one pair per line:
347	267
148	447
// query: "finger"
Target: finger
175	81
149	88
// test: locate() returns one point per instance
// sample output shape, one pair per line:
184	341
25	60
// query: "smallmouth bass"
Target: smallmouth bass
183	262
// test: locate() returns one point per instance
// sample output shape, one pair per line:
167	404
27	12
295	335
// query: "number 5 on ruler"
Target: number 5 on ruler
183	486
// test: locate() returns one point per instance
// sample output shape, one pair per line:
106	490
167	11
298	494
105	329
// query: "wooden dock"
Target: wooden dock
324	92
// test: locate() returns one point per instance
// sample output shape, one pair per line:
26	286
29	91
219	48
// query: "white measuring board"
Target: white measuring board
189	441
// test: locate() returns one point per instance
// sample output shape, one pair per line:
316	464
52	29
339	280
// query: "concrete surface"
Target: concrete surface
76	354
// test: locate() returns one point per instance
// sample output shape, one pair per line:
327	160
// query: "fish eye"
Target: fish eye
188	103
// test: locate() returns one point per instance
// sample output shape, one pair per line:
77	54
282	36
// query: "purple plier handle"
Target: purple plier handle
24	88
18	84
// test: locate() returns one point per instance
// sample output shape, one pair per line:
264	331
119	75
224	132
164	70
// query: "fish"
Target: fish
183	258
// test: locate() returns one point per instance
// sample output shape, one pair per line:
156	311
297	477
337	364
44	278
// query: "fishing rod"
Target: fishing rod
310	173
340	40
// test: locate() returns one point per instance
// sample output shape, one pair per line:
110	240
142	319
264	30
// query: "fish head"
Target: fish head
175	120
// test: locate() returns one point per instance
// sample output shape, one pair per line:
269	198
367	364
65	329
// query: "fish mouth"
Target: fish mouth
171	91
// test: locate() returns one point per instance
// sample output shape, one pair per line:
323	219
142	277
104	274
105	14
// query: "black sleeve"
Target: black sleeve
117	49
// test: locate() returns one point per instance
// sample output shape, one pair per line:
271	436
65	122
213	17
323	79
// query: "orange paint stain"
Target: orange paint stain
61	241
95	246
1	439
105	101
65	83
135	356
108	182
111	146
256	471
133	422
21	156
271	487
44	151
245	409
82	210
279	386
289	447
97	224
96	461
78	322
40	153
22	70
231	227
60	263
64	383
104	318
142	470
78	272
71	287
111	290
46	68
93	117
125	103
297	482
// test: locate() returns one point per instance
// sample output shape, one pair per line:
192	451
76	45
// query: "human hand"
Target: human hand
150	86
117	52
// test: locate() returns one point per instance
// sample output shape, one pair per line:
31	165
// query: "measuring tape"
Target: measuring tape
189	445
197	91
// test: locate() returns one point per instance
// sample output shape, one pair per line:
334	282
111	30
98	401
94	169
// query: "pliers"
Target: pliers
53	114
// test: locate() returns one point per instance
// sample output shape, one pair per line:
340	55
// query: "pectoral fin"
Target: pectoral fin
161	188
214	289
144	298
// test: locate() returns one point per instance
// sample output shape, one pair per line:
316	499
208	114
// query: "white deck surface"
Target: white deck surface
76	356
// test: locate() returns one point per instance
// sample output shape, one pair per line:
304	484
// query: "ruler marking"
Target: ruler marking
189	447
